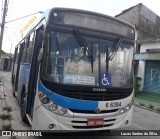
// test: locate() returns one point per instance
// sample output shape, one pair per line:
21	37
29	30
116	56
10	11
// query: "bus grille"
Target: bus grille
89	127
111	120
96	96
92	112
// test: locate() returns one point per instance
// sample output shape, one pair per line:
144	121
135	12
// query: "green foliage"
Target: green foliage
14	137
158	109
7	127
6	116
151	106
7	108
142	104
136	85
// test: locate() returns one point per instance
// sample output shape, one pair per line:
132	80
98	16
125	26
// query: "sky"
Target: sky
21	8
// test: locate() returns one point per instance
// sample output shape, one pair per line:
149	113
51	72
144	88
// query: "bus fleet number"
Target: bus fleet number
113	104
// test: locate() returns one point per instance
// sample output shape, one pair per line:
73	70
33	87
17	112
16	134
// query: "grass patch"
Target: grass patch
142	104
158	109
7	127
6	116
14	137
151	106
7	108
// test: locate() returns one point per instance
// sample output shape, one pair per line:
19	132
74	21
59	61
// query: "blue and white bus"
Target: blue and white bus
73	71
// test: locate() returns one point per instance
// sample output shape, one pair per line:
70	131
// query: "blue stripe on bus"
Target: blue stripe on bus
72	103
44	89
67	102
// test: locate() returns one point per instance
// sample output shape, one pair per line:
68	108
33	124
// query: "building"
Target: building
149	66
6	61
146	21
147	56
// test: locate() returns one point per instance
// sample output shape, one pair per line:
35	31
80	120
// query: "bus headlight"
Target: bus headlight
62	111
53	106
122	110
45	100
50	105
125	109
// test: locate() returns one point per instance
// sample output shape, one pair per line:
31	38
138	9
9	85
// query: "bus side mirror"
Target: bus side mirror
40	55
39	38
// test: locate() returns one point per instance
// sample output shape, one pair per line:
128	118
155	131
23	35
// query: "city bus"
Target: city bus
73	71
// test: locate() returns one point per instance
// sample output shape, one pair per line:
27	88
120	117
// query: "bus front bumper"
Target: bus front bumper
46	120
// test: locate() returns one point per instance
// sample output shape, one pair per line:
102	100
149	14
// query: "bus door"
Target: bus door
32	82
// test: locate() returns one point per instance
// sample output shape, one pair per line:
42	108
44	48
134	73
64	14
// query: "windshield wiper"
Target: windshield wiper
82	43
114	49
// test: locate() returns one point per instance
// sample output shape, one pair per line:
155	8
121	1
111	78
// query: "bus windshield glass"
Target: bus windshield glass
72	58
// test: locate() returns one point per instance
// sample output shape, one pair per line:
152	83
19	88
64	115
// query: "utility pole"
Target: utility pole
3	24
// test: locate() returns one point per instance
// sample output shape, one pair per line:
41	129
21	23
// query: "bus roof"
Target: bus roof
45	16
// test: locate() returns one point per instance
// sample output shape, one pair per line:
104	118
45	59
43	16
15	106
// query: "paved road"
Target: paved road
142	119
145	120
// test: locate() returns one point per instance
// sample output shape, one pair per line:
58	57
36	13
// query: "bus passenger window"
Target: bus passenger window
28	55
31	39
23	56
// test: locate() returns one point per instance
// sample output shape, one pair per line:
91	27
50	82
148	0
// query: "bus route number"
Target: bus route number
113	104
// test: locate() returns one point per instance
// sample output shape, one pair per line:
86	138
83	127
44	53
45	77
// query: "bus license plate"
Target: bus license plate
95	122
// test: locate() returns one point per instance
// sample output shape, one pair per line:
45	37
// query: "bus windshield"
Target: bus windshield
72	58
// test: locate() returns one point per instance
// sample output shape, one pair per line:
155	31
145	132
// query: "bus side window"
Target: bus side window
23	51
29	48
31	39
19	53
24	56
16	55
28	55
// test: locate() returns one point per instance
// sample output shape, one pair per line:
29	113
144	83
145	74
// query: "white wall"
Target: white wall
153	45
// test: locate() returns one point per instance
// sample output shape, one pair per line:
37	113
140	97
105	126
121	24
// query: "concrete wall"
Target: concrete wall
147	26
147	29
130	15
6	64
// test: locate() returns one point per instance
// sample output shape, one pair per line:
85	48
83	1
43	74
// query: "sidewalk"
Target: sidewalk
5	116
8	101
148	100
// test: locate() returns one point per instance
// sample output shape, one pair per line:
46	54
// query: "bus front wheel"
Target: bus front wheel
23	109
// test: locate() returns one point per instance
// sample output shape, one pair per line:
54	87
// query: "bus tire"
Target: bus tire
13	86
23	111
14	94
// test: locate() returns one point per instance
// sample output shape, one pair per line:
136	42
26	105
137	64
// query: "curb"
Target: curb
136	105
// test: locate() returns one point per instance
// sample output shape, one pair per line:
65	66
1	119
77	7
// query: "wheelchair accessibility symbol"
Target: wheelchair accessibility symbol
105	79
